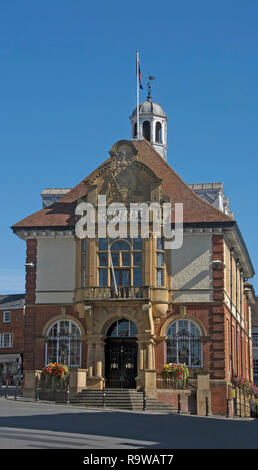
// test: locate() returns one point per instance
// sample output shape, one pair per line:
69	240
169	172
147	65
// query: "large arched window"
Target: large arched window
63	344
183	343
146	130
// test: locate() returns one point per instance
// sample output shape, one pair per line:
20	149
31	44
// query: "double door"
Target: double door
120	363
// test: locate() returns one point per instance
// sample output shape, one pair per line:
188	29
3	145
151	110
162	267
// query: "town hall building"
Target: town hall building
116	310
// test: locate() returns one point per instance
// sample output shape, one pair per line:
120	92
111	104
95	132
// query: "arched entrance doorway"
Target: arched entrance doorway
121	355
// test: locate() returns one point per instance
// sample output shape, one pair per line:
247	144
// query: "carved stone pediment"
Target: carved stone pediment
125	179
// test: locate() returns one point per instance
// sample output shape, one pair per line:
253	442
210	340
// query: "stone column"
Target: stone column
95	361
203	393
146	373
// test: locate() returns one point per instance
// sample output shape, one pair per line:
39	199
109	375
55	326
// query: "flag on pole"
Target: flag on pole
138	71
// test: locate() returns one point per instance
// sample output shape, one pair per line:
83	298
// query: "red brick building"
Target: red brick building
186	305
11	336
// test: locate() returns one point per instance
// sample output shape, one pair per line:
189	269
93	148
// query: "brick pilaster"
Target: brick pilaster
31	257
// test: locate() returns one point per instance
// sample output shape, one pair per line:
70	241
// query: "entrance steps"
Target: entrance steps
120	399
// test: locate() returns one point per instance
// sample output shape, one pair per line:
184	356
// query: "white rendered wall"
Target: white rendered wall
55	270
191	267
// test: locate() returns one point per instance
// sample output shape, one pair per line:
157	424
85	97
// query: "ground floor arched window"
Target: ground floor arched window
184	344
63	344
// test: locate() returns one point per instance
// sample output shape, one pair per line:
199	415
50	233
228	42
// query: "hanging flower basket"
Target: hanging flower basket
246	387
54	375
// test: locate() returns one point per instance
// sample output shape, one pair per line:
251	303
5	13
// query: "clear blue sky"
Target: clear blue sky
67	88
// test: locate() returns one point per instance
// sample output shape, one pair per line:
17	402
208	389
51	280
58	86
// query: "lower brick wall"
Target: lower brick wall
218	398
170	397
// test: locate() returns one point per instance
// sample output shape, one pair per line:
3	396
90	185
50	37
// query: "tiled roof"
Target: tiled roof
61	213
11	301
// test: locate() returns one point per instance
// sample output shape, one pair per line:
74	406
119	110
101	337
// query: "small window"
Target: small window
158	133
160	262
7	317
146	130
6	340
160	277
135	130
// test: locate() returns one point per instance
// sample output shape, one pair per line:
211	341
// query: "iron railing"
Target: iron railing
165	382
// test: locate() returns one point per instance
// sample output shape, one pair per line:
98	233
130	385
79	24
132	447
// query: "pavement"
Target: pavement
27	424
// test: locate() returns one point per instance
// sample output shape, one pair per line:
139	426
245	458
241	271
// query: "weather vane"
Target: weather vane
149	87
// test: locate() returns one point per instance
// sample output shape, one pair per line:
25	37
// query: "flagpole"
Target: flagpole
137	108
113	271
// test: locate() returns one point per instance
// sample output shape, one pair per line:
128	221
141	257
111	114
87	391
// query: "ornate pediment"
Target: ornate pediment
125	179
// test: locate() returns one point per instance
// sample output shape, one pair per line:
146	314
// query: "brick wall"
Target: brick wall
16	328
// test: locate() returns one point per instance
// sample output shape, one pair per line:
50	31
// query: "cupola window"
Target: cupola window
146	130
158	133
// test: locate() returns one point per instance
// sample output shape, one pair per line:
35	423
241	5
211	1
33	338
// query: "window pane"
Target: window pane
125	278
123	328
183	326
137	243
160	244
126	259
102	277
137	259
112	331
160	259
160	277
64	328
120	245
53	330
83	279
194	330
103	259
115	259
195	352
172	330
137	277
74	330
171	350
74	353
103	244
83	245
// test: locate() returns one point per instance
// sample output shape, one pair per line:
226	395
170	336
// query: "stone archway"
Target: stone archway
121	351
99	319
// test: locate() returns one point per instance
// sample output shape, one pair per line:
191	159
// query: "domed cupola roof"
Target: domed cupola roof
150	107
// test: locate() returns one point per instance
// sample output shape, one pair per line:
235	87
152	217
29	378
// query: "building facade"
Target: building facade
255	339
121	308
11	337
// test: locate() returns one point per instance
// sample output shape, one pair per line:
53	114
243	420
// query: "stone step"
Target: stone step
124	399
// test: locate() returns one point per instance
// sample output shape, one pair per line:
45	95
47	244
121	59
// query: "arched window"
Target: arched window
146	130
158	137
122	329
123	262
184	344
63	344
135	129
